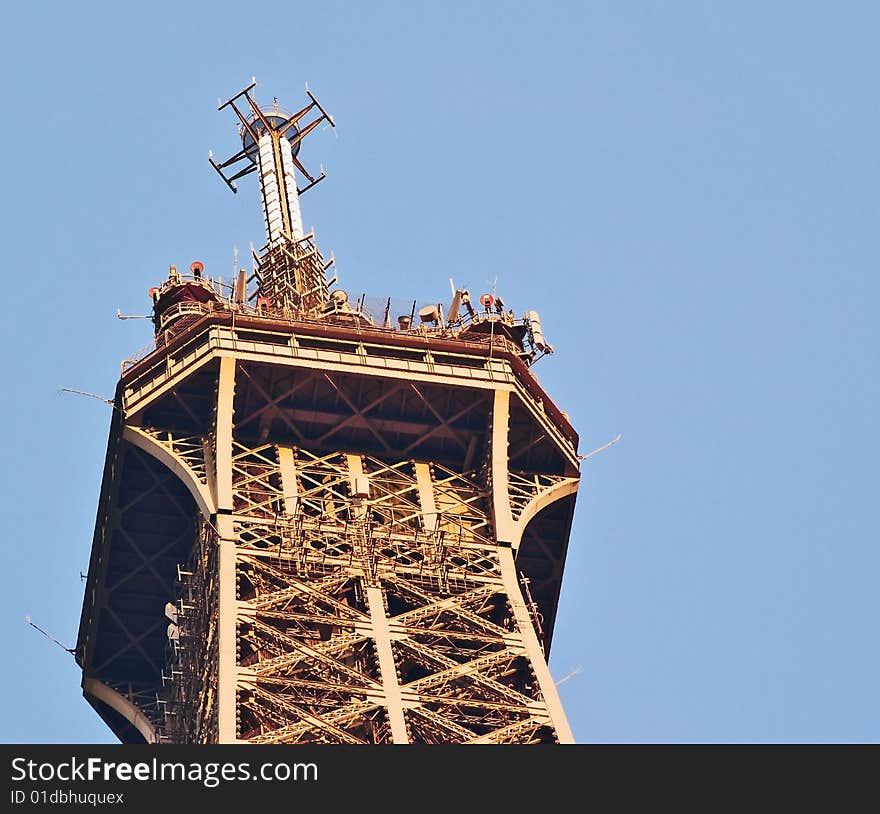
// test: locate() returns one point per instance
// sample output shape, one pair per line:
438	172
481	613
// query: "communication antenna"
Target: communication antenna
452	314
49	636
84	393
492	322
290	271
611	443
571	674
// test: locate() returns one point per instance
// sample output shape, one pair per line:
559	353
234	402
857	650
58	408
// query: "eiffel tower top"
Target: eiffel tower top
289	277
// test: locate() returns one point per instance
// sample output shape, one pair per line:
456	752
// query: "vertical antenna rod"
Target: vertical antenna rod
290	270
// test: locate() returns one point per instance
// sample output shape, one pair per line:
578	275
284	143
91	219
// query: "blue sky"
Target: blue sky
688	194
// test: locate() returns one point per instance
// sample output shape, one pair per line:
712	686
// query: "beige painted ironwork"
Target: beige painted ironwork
342	597
322	531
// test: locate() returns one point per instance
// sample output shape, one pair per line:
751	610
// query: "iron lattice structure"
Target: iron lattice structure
317	530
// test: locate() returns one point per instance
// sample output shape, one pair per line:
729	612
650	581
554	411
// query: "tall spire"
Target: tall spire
290	271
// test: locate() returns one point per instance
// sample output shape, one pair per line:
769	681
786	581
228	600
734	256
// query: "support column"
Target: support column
287	465
355	473
426	497
382	637
380	630
223	434
505	528
533	647
227	678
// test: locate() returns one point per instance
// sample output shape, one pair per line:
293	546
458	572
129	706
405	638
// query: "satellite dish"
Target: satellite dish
429	314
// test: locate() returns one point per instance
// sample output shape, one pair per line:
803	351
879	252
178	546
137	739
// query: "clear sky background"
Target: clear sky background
687	192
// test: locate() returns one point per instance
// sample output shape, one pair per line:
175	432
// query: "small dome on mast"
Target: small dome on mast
277	121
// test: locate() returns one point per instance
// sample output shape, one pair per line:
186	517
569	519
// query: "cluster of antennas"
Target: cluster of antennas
433	314
463	319
289	277
185	297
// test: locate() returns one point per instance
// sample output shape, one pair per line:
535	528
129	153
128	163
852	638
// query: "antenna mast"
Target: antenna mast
290	271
